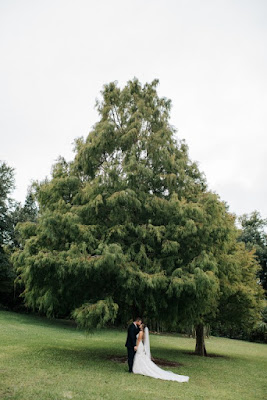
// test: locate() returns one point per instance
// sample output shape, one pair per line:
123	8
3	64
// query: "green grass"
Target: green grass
52	360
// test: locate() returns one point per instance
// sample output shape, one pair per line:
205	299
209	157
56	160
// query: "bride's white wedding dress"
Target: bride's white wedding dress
145	366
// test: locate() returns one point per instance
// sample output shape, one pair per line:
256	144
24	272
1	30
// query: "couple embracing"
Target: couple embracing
139	358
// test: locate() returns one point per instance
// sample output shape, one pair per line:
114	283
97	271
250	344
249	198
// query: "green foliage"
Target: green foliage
22	213
6	271
6	187
130	219
96	315
11	213
253	234
241	300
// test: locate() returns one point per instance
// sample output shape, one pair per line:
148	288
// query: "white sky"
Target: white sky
210	57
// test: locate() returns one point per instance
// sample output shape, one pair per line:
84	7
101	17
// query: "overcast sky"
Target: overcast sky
210	58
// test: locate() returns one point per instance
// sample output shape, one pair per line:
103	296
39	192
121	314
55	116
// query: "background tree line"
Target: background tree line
11	213
129	227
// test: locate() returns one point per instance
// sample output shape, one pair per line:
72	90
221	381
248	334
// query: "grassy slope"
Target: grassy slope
41	360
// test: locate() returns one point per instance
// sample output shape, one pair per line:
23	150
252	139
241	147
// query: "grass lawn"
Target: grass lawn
52	360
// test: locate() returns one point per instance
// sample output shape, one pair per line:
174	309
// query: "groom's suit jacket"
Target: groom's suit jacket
131	336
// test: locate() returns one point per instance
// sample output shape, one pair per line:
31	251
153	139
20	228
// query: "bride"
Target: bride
145	366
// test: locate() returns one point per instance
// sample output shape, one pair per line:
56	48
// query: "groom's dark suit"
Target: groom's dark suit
131	343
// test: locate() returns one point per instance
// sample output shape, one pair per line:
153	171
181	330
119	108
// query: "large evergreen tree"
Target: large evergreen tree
129	226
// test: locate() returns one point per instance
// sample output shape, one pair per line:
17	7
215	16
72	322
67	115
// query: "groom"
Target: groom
133	330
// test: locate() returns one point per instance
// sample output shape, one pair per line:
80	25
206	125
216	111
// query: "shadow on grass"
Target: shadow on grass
82	356
158	361
208	355
76	357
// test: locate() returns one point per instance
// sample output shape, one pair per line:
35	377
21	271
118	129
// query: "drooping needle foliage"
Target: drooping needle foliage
130	227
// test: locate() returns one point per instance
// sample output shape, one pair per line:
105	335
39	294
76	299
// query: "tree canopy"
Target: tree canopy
130	227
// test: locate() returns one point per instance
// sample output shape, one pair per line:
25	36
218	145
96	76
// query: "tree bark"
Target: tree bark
200	349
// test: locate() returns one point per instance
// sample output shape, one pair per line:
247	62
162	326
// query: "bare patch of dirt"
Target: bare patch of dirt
158	361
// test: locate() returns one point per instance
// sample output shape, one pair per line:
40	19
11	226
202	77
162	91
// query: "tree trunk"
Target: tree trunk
200	349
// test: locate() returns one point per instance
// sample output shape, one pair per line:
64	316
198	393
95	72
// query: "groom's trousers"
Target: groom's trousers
131	353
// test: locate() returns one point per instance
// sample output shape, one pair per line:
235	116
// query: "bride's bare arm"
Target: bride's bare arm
140	337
